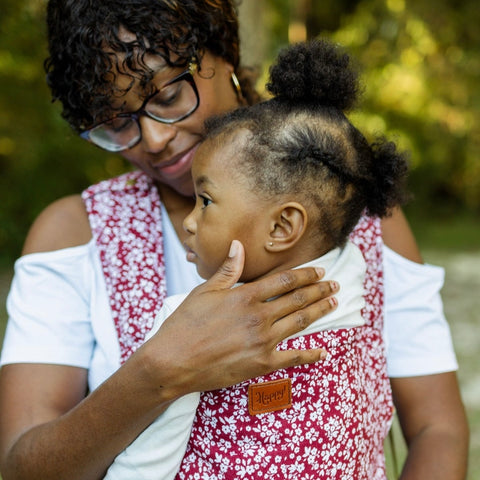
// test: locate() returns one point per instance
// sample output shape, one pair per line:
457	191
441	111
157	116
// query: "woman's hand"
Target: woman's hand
220	336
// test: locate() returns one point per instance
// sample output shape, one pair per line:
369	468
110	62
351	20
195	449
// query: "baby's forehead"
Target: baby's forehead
220	146
230	136
219	152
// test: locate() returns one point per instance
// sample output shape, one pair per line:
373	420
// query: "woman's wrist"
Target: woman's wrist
158	371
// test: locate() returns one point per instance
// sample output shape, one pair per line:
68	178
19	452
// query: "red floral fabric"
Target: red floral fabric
125	217
341	408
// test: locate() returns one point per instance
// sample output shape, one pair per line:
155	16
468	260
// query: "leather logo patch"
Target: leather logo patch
269	396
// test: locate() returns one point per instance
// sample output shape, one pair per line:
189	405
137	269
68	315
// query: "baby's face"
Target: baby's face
225	209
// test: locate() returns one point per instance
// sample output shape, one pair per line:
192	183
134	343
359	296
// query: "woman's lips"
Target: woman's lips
179	166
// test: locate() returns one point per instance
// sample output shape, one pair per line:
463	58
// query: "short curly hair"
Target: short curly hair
82	32
301	143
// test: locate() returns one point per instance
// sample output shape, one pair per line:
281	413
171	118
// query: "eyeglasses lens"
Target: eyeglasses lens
170	104
173	102
117	134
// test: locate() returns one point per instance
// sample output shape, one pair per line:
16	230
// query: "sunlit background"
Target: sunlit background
421	68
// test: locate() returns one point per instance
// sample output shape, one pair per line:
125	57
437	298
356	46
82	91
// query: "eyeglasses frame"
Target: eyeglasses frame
135	116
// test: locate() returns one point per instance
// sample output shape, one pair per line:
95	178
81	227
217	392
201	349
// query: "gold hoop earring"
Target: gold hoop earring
238	88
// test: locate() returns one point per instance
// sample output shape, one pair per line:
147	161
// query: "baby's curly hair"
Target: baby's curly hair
82	32
301	142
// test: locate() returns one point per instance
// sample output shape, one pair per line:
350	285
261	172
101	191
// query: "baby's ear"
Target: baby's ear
288	225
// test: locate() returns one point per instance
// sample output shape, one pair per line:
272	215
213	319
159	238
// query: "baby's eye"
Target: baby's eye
205	201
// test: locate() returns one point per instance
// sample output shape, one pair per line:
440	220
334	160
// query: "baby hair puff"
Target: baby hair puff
317	72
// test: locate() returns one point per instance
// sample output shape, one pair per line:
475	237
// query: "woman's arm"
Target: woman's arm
48	430
219	336
434	425
429	407
398	236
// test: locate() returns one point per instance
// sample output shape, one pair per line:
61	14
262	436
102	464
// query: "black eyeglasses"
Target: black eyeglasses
173	102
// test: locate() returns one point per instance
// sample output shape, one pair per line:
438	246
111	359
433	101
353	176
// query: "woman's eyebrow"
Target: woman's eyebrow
159	69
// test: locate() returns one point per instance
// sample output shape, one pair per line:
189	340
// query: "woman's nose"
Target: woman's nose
156	135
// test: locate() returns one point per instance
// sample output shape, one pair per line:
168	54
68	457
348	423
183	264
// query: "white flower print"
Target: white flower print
341	408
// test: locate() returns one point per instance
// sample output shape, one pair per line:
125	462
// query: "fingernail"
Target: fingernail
323	355
233	249
333	285
333	302
320	272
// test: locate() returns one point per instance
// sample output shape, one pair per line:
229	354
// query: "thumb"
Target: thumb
230	270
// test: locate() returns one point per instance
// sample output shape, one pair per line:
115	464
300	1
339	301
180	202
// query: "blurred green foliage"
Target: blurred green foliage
421	66
420	62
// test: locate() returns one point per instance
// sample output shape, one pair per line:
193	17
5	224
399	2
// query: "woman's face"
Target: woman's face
165	152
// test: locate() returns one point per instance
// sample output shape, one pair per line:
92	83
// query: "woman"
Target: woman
109	58
287	159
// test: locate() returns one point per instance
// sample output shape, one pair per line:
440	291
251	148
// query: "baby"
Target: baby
289	178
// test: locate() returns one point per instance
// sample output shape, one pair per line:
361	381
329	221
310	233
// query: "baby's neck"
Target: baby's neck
298	258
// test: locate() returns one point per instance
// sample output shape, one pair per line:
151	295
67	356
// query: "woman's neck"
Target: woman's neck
178	207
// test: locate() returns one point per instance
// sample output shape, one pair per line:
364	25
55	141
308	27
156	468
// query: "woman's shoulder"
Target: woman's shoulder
62	224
